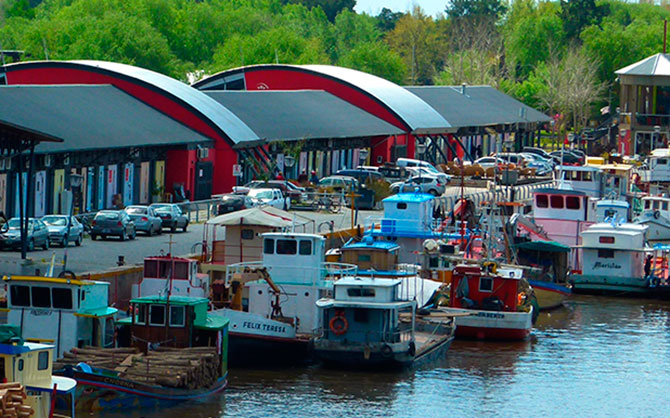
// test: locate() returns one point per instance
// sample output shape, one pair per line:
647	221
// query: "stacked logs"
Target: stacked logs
12	397
184	368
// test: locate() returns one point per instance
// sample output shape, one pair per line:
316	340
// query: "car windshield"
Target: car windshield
136	210
14	223
261	194
55	220
107	215
164	209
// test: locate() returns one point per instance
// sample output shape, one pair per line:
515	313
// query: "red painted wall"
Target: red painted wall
174	171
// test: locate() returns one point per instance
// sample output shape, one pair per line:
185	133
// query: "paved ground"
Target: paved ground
100	255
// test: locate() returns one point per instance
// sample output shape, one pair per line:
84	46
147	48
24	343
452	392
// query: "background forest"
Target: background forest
558	56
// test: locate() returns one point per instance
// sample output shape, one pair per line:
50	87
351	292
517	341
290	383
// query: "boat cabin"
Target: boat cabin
484	288
177	321
371	256
562	204
31	365
658	166
294	258
657	203
616	179
614	250
65	312
583	178
177	274
371	310
612	209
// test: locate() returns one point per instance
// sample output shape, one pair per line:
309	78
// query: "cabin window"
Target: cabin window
575	175
247	234
364	257
605	253
177	317
587	176
485	284
20	295
606	240
361	315
62	298
181	270
43	360
157	315
647	204
20	365
164	268
358	292
557	202
287	246
41	297
305	247
662	161
664	205
151	268
268	246
572	202
401	206
542	201
141	314
656	205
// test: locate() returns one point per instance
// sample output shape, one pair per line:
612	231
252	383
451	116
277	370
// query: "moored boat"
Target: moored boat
656	217
367	323
499	303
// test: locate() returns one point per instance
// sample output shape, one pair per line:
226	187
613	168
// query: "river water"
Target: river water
595	357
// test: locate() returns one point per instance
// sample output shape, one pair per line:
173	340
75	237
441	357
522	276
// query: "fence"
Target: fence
521	193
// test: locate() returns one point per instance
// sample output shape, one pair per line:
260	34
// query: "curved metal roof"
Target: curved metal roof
418	115
218	117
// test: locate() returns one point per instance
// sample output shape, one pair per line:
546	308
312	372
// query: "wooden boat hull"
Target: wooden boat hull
355	356
549	295
492	325
96	392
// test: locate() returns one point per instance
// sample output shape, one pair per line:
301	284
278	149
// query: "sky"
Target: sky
373	7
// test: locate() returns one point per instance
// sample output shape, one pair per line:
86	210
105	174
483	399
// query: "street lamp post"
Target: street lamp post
75	183
289	162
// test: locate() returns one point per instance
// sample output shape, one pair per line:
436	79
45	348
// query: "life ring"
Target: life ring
386	350
339	325
491	266
412	349
657	214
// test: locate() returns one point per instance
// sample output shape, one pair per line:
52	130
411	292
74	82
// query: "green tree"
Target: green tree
488	9
331	7
375	58
578	14
387	19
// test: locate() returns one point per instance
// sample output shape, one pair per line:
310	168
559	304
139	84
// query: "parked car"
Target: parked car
112	223
271	197
567	157
542	166
171	216
145	218
420	171
425	184
512	157
294	192
57	225
537	151
393	173
339	183
488	162
38	234
231	203
245	188
362	176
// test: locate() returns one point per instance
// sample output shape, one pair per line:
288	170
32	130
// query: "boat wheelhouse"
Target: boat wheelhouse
612	209
656	216
176	275
64	312
31	365
657	168
613	259
367	323
586	179
563	213
495	304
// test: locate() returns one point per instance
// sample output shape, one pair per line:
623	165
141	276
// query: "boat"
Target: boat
176	352
66	312
27	373
498	302
271	304
613	258
367	323
167	273
656	217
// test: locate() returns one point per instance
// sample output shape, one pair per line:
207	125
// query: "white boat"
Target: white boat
613	258
656	217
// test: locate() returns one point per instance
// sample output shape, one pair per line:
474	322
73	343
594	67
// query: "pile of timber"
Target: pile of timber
183	368
12	397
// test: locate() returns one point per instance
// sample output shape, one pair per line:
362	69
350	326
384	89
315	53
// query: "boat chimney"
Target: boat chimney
463	88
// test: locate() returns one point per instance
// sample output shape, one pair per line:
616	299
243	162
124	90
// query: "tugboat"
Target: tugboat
500	303
367	324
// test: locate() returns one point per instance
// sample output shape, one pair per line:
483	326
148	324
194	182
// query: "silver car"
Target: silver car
57	225
145	218
423	184
38	235
171	216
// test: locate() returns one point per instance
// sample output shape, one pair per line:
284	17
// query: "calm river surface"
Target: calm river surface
595	357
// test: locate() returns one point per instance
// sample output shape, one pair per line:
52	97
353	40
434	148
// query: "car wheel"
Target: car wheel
65	241
94	237
151	231
134	234
185	227
124	235
46	244
77	242
434	192
31	245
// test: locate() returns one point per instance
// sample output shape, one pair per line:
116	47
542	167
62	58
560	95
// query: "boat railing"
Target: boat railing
398	227
365	337
325	271
334	271
239	268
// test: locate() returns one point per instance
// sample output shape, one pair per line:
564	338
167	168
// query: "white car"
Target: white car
270	197
541	165
488	162
425	184
425	171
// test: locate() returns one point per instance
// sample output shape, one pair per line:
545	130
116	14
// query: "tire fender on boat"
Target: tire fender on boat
657	214
386	350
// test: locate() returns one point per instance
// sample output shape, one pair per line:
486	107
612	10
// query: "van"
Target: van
410	162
